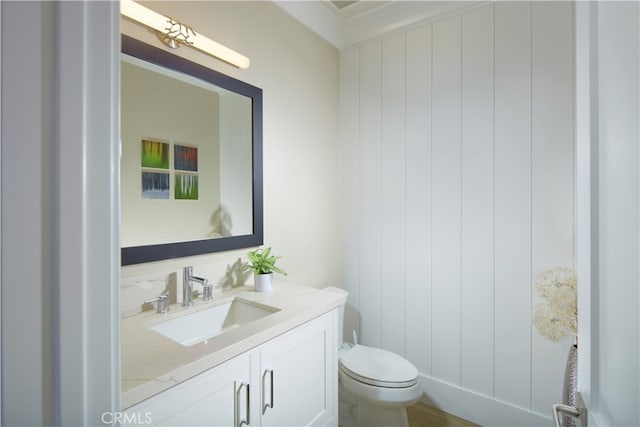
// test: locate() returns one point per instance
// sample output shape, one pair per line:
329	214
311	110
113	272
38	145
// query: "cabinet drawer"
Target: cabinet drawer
210	399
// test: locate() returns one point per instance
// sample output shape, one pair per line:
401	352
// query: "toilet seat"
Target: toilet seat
378	368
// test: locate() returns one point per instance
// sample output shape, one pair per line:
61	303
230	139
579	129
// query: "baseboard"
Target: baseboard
477	408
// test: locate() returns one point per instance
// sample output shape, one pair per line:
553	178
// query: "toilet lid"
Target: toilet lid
378	367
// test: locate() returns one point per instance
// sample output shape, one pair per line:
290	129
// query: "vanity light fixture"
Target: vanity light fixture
175	34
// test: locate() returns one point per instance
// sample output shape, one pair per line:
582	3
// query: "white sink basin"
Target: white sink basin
204	324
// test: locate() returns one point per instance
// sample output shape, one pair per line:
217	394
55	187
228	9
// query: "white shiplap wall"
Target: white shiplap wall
457	179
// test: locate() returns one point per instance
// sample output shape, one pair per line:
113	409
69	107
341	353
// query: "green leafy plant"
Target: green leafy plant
262	262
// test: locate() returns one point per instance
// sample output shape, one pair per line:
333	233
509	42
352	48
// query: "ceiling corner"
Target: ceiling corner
345	24
318	16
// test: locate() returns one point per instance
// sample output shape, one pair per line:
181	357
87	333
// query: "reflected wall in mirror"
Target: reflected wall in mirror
191	168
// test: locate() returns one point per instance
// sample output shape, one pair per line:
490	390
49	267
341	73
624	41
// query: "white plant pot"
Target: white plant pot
263	282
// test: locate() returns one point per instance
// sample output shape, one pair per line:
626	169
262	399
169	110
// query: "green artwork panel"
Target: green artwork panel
155	154
186	187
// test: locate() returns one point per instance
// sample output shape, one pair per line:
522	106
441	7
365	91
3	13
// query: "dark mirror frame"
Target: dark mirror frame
148	253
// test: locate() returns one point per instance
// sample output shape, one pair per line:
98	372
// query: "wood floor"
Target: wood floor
421	415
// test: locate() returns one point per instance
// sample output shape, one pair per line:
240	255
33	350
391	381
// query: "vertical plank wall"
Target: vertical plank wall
513	208
477	222
457	179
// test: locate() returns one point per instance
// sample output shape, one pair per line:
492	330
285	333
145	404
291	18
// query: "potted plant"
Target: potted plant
263	265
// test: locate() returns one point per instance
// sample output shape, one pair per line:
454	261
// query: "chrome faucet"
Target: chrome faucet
187	287
162	303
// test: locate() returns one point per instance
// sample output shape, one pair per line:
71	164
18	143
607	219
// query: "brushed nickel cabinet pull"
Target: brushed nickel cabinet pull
247	419
266	406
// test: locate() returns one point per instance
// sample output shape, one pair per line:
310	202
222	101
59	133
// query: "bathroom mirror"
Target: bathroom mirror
191	164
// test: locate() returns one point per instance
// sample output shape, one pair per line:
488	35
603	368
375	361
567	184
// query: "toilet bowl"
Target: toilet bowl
375	385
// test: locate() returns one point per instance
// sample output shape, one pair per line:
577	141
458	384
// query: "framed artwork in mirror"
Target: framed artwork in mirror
191	165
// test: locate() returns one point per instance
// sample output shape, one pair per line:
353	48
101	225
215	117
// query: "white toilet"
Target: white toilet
375	385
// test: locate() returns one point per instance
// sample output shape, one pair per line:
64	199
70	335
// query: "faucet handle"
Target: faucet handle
162	303
207	292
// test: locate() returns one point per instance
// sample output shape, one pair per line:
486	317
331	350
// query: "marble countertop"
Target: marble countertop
152	363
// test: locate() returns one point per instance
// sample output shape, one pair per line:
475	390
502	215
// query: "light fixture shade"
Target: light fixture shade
163	25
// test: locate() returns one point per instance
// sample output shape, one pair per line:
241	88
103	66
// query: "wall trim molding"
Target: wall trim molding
476	407
346	30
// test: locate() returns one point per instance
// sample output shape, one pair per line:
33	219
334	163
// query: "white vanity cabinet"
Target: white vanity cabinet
290	380
217	397
299	376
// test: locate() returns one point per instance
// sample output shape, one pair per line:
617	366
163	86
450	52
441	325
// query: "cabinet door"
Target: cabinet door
299	376
217	397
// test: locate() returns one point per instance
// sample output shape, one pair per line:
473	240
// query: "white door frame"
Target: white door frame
88	168
608	209
61	263
586	188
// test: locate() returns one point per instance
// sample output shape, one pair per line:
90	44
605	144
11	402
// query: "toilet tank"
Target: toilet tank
345	295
